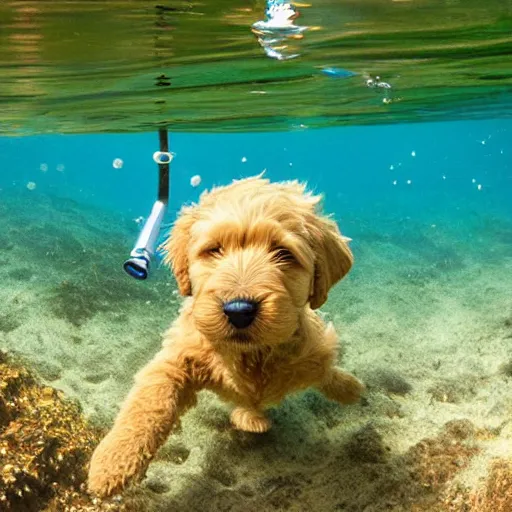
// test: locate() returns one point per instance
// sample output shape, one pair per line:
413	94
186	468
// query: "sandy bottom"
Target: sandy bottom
425	320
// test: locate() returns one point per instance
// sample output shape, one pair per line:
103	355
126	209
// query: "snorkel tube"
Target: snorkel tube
138	264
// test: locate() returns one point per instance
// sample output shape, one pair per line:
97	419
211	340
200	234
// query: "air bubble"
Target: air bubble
195	181
117	163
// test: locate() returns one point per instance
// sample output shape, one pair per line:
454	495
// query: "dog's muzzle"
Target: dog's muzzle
241	313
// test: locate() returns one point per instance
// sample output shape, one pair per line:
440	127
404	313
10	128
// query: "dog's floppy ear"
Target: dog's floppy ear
333	258
176	248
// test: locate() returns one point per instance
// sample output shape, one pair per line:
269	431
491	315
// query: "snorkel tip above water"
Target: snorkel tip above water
138	265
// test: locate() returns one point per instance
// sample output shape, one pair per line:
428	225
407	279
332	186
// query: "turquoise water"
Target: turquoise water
424	316
356	167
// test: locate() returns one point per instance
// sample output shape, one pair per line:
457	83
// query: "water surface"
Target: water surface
129	66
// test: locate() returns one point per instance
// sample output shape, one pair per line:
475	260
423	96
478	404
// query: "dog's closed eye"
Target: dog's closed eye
282	255
214	250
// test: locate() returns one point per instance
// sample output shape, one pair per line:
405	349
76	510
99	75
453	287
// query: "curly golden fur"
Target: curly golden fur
251	242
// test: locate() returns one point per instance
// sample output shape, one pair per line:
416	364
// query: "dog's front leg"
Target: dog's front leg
163	390
341	386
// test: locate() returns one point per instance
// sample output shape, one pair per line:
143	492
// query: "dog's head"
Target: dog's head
253	254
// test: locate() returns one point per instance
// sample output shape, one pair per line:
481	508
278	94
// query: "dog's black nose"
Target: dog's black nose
240	313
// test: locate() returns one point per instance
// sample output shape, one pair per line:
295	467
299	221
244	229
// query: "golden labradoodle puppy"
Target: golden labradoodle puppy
254	259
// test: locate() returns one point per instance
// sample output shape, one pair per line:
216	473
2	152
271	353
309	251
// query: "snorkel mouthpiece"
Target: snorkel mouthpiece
137	265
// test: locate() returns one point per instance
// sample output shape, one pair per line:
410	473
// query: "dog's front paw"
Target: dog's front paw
113	464
250	421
